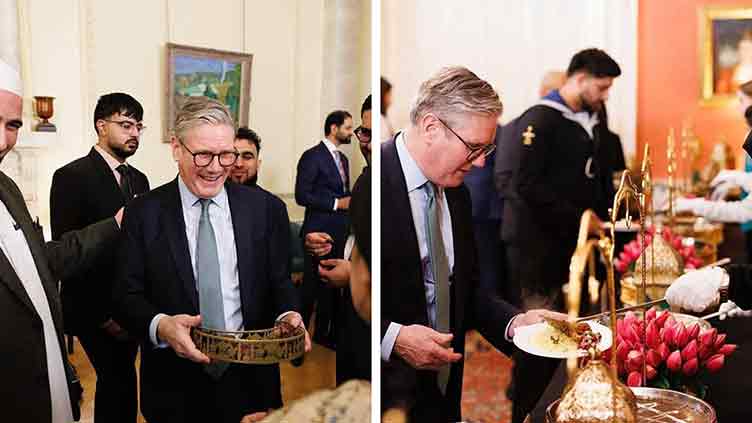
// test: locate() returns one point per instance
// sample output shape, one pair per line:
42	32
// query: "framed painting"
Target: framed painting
222	75
725	52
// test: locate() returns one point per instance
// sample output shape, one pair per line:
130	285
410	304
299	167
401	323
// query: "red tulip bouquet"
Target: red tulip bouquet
632	250
675	356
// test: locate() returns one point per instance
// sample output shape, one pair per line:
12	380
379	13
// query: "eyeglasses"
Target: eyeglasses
128	125
475	151
204	158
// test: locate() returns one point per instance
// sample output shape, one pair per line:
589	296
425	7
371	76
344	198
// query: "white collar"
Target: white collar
329	145
586	120
111	161
189	199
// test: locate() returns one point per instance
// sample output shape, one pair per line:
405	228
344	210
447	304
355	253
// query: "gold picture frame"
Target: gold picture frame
722	30
224	75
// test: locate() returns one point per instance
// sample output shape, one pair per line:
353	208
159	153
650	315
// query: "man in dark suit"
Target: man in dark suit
322	186
83	192
37	380
197	245
431	291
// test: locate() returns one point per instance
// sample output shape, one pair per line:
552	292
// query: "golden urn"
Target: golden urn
596	396
662	266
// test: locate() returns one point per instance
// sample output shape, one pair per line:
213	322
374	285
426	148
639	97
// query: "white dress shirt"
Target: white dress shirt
112	162
221	220
333	151
16	249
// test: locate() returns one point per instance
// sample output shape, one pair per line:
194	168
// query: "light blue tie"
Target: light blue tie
210	301
440	269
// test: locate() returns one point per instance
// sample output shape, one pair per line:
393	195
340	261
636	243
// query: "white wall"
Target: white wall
77	50
511	43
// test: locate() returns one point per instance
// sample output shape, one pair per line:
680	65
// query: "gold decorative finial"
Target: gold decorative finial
528	135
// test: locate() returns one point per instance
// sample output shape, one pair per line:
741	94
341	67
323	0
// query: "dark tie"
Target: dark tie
439	267
125	182
211	305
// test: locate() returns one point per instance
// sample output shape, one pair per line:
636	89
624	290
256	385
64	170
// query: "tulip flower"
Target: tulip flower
727	349
653	358
660	319
694	330
651	314
652	335
681	337
620	327
667	334
650	372
629	318
635	360
690	367
622	350
714	363
719	340
663	351
704	351
689	351
707	336
634	379
674	361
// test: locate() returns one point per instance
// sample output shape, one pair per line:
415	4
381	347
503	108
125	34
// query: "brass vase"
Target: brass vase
45	110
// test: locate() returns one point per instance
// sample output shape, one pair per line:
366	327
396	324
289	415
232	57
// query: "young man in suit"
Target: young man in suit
200	252
322	186
83	192
36	376
431	291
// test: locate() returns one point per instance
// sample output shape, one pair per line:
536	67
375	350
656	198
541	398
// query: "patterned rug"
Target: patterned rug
487	374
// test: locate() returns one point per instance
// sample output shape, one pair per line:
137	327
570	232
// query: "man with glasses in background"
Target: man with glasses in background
83	192
202	252
431	293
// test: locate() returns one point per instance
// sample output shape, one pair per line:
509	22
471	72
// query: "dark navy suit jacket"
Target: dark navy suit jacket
156	276
317	184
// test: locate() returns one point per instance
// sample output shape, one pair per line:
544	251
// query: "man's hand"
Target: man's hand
295	320
318	243
255	417
335	272
176	331
119	217
424	348
343	203
532	317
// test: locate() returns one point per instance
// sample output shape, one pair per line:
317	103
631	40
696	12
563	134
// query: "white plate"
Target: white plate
523	339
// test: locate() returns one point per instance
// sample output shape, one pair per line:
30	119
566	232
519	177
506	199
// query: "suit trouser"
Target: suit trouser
114	362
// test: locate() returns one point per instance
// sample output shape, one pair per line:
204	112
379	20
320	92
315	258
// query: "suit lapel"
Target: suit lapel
394	193
174	224
245	222
332	165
